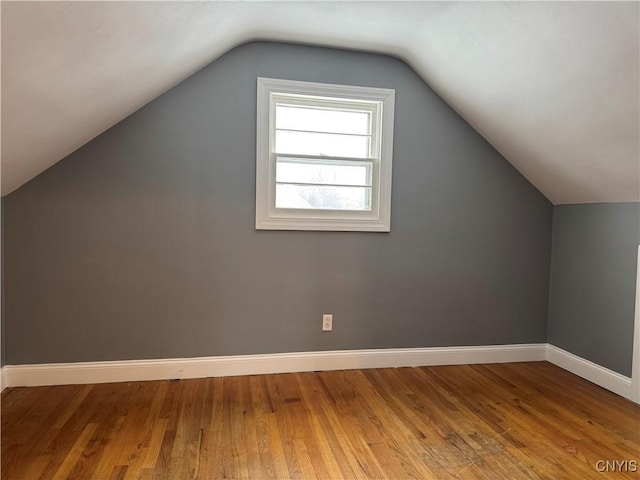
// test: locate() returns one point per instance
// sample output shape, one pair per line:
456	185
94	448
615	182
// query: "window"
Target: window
323	156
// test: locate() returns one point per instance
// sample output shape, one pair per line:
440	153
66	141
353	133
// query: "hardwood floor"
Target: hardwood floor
511	421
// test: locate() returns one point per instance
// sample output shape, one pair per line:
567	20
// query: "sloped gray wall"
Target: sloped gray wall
141	244
593	282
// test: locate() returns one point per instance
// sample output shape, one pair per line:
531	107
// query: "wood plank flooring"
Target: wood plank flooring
505	421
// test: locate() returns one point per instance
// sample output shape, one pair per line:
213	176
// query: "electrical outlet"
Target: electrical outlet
327	322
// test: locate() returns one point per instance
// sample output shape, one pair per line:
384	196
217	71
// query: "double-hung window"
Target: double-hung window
324	156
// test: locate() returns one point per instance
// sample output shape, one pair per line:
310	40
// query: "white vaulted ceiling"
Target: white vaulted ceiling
553	86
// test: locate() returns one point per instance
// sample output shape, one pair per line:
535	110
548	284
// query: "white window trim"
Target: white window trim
270	218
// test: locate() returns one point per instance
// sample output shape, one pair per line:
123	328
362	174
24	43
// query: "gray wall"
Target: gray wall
141	244
2	356
593	281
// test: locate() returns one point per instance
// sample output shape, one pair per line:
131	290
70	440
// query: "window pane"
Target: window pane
322	197
304	143
322	120
302	170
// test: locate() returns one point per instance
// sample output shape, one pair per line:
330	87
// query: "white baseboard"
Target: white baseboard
601	376
201	367
3	378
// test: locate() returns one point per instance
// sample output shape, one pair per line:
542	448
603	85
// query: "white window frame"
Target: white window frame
381	101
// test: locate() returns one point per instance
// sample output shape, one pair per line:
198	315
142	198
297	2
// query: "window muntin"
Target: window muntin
323	156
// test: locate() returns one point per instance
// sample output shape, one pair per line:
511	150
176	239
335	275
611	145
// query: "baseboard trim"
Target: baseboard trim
202	367
593	372
3	378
